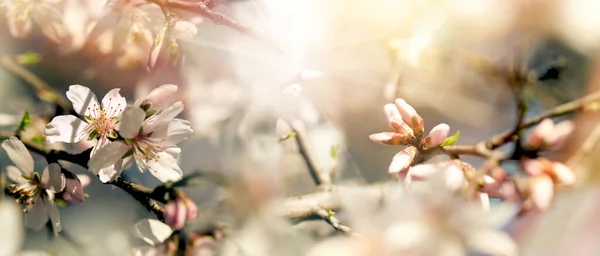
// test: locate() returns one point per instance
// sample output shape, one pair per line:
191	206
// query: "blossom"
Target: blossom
73	192
157	99
545	174
437	135
23	13
402	160
151	142
155	233
35	192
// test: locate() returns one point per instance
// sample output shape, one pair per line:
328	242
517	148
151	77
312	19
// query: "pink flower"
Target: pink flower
180	211
73	192
402	161
410	117
437	135
391	138
549	136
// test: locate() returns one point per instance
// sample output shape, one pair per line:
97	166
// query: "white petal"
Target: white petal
113	103
54	215
165	116
153	231
102	141
15	174
173	151
82	99
111	173
37	216
131	121
53	179
18	153
19	27
160	97
179	130
492	242
68	129
107	156
11	236
166	168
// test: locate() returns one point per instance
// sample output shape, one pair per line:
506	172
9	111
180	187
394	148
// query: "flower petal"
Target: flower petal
561	133
542	191
159	97
165	116
15	174
532	166
11	238
391	138
74	191
112	172
131	121
492	242
410	116
563	173
66	128
184	30
18	153
454	177
423	171
165	168
107	156
52	211
19	27
53	179
113	103
540	133
37	215
83	99
153	231
179	130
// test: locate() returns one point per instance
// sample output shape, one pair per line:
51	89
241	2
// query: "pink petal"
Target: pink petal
437	135
402	160
423	171
175	213
542	191
532	166
541	132
191	210
563	173
391	111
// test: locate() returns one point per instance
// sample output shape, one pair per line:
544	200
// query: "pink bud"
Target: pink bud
410	116
541	132
191	210
542	191
391	112
391	138
395	119
437	135
175	214
533	166
561	132
563	174
402	161
184	30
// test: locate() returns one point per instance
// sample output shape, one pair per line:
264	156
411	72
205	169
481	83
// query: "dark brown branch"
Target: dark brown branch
319	177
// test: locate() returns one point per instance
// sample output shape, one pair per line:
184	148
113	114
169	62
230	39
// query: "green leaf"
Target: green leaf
60	202
94	134
287	136
330	213
127	154
334	151
25	176
451	140
25	121
38	139
146	106
29	58
86	195
112	134
150	112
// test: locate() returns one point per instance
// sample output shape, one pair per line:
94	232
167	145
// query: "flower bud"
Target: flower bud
561	132
74	185
410	117
391	138
402	161
437	135
542	191
541	132
562	174
180	211
159	98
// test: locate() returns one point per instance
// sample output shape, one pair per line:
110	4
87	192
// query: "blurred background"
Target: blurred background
337	63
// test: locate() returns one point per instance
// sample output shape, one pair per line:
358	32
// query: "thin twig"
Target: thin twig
44	91
320	178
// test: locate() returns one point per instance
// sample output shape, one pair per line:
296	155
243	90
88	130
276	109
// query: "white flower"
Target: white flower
22	13
150	141
154	233
35	192
100	119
